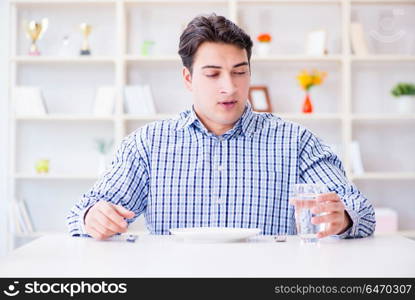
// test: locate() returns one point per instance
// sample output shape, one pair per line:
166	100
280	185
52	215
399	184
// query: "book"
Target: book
104	101
357	37
28	101
139	100
25	215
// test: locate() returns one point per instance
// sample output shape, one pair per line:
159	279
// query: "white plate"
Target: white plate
215	234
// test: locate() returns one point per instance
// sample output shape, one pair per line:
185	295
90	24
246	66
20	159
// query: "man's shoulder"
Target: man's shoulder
273	121
161	127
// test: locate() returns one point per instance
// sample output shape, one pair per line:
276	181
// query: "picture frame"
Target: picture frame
259	98
29	101
104	101
316	43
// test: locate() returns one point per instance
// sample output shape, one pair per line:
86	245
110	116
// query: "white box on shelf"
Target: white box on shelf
104	101
316	43
28	101
139	100
358	41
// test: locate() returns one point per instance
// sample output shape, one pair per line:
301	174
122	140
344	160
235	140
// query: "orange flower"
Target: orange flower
264	38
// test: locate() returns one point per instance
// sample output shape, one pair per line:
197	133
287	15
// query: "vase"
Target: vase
264	49
406	104
307	105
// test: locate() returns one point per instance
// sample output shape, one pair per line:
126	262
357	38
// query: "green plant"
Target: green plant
402	89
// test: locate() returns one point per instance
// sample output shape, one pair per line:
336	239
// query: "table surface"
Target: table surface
166	256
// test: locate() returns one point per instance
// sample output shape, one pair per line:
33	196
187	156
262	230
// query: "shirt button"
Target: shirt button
220	201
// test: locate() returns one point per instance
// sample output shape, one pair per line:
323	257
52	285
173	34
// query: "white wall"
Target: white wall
4	24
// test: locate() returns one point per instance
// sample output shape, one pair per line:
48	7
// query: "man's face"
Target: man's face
219	84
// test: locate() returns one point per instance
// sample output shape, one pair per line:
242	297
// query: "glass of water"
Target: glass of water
305	195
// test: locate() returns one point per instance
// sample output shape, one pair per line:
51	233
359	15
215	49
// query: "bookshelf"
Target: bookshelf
339	117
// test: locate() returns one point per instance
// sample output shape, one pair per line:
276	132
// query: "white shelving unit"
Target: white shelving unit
124	64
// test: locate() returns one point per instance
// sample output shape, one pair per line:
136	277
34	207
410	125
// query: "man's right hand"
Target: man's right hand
105	219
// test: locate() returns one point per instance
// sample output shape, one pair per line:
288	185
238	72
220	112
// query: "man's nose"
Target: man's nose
227	85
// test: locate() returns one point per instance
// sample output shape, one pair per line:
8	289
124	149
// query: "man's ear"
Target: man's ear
187	77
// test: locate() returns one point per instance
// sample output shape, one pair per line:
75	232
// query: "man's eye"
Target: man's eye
240	73
211	75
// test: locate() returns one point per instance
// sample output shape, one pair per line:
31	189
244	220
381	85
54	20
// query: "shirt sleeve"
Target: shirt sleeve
319	164
125	182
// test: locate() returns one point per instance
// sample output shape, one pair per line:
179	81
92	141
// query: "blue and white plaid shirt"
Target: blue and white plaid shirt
179	174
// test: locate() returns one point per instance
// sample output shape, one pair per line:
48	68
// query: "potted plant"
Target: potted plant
264	45
405	94
307	80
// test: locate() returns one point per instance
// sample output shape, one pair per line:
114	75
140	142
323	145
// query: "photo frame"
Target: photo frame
316	42
28	101
104	101
259	98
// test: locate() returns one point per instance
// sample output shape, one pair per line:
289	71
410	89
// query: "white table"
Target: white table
164	256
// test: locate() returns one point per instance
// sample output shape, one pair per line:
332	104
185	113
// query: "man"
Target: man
219	164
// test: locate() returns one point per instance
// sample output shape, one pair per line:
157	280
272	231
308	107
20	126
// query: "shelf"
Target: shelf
62	59
384	176
295	58
289	1
313	116
192	2
154	117
383	58
64	118
383	117
158	58
21	2
382	1
33	176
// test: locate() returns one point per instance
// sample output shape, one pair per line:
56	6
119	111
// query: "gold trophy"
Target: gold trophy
86	31
34	31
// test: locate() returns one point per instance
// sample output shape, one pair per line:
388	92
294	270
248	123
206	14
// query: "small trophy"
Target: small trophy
86	31
34	31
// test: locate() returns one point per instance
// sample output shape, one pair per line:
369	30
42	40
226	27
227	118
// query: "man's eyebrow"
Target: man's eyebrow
219	67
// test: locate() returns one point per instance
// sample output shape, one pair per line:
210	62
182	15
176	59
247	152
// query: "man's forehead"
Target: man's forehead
216	55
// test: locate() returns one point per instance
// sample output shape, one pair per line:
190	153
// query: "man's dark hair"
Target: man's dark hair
211	28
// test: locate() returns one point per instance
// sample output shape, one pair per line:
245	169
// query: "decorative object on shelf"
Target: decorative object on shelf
28	101
34	31
86	31
103	148
264	45
65	49
139	100
405	94
104	101
307	80
19	217
42	166
356	158
259	98
147	48
316	43
358	40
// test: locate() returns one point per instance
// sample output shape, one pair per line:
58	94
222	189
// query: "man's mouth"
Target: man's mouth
227	103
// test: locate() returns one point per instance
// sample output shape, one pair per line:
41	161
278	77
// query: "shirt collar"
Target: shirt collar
245	122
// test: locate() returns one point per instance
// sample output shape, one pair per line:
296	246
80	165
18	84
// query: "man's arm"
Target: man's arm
123	185
318	164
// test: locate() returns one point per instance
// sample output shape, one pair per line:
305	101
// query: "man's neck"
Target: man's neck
216	129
